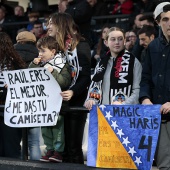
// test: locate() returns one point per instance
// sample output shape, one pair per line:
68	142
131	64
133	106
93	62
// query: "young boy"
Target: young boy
56	64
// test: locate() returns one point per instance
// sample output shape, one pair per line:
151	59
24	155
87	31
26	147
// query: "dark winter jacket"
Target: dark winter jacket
81	12
80	87
155	83
27	51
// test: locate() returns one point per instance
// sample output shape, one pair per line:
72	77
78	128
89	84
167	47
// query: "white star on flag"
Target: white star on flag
102	107
131	150
125	141
138	160
108	115
120	133
114	124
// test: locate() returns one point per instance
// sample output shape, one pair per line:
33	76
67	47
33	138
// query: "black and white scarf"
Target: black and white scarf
74	64
57	62
121	78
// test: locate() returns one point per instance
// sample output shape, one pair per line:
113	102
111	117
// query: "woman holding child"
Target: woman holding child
63	28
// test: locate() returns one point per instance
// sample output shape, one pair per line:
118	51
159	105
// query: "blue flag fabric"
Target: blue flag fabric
123	136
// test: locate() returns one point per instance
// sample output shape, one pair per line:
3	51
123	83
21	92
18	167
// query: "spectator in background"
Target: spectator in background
144	6
146	34
2	15
38	30
100	8
10	30
19	15
123	7
137	24
101	49
26	48
144	20
19	11
82	11
132	40
62	5
3	19
32	17
9	8
147	20
9	60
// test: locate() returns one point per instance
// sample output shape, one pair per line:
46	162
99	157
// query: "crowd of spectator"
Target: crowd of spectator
139	27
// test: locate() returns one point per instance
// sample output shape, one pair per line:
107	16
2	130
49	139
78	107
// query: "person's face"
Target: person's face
144	22
33	18
115	42
137	22
62	6
18	11
132	37
104	32
165	24
52	29
38	30
46	54
145	40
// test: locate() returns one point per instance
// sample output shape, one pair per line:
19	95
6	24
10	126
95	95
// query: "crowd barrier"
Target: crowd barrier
24	155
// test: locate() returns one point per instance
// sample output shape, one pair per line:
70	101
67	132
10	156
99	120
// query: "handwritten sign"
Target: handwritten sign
33	98
123	136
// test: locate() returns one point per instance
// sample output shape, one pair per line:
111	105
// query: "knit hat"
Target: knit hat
159	9
26	36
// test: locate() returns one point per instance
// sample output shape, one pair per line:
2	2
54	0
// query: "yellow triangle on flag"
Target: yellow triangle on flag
110	151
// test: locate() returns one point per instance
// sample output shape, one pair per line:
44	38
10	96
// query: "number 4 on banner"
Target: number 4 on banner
144	146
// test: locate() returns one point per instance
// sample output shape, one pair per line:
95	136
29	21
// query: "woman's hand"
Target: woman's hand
89	103
67	95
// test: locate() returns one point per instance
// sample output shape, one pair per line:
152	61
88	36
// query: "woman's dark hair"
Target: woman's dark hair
9	57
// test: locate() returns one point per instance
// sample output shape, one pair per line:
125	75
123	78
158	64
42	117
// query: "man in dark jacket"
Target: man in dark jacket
81	11
155	83
146	35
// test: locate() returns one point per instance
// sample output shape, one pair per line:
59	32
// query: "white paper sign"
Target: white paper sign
33	98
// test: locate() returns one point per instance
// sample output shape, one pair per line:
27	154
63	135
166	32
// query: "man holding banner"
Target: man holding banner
155	83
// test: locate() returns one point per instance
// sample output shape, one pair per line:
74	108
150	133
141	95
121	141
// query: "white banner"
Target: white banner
33	98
